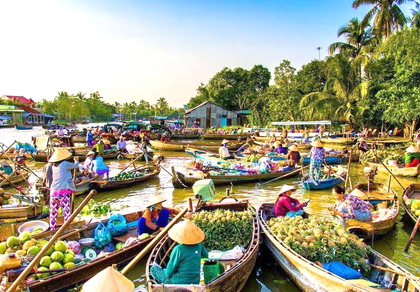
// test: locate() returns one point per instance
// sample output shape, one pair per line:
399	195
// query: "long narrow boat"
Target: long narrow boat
236	272
15	179
20	213
186	136
109	154
411	193
339	141
86	271
225	136
328	159
383	221
24	127
181	146
400	171
311	184
135	155
140	175
310	277
180	180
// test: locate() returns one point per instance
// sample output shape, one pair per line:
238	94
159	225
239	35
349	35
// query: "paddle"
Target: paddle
283	176
151	244
131	162
45	248
413	234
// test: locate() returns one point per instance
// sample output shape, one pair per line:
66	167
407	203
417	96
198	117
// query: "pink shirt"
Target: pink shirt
286	204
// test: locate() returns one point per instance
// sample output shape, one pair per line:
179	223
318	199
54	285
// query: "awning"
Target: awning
5	117
48	116
302	123
25	115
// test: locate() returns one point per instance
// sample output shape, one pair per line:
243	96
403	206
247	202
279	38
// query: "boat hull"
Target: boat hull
397	171
181	146
324	184
411	191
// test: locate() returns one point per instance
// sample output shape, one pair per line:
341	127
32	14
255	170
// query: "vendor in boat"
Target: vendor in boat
122	145
20	158
107	143
99	147
85	167
280	148
5	167
286	205
363	146
350	206
62	185
89	137
185	259
294	154
98	167
155	216
224	151
317	155
165	137
412	156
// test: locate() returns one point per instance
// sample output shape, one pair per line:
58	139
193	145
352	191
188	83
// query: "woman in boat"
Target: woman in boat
350	206
89	137
224	151
21	157
294	154
155	216
99	147
185	259
279	148
98	167
286	205
62	185
412	156
317	155
5	167
363	146
85	168
122	145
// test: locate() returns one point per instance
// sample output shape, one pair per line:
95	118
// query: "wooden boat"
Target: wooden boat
412	192
339	141
20	213
328	159
225	136
83	272
311	184
310	277
24	127
234	277
15	178
135	155
79	139
180	146
378	226
148	171
396	170
180	180
186	136
108	154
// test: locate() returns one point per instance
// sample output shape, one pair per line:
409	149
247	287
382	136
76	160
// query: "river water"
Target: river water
268	276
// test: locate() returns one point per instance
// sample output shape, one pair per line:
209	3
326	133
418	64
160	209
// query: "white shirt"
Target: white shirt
223	152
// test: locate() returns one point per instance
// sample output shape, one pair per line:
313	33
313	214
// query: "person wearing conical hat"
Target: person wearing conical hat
286	205
317	155
412	156
279	148
224	151
351	206
99	147
62	185
185	259
155	216
363	146
108	280
294	154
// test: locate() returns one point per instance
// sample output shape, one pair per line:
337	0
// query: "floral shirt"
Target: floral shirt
353	203
317	153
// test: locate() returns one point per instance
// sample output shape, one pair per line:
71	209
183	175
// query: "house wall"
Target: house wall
211	115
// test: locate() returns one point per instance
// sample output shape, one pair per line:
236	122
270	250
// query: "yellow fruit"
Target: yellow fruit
28	245
21	252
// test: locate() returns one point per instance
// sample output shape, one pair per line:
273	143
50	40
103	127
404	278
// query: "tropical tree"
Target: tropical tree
342	92
386	14
415	18
312	77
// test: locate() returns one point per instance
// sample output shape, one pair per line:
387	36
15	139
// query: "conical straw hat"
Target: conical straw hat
357	193
277	143
186	232
59	155
225	141
286	188
108	280
412	149
293	148
155	199
317	143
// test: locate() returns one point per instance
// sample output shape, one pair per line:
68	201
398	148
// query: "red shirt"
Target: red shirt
286	204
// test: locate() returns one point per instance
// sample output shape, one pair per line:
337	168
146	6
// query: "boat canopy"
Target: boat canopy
294	123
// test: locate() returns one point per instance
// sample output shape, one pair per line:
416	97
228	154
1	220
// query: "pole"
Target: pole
12	184
151	244
413	233
45	248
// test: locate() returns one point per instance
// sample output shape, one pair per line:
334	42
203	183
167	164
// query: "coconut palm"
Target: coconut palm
415	18
359	39
343	90
387	15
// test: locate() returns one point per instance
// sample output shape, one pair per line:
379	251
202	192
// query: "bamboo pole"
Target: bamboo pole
45	248
151	244
413	234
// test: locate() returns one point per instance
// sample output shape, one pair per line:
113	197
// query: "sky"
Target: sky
134	50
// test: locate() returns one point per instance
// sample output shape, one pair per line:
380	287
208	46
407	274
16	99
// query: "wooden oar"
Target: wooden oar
131	162
413	234
5	178
283	176
12	184
151	244
45	248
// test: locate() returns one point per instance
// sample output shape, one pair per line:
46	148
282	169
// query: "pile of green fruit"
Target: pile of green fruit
319	239
126	175
4	197
225	229
254	157
94	208
383	155
415	207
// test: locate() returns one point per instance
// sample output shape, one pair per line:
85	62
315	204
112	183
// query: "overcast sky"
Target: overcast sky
133	50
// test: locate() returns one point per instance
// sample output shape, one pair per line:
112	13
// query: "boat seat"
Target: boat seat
132	232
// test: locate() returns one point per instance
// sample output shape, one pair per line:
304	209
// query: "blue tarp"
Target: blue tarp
5	117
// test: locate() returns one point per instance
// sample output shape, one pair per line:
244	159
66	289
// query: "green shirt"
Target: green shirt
99	148
184	263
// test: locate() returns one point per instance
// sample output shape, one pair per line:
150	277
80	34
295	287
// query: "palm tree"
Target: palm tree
81	96
343	90
387	15
415	18
359	39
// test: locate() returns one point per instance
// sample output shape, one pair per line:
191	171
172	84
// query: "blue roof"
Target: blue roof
48	116
26	114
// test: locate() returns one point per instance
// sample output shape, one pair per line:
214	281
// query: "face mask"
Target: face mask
152	207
